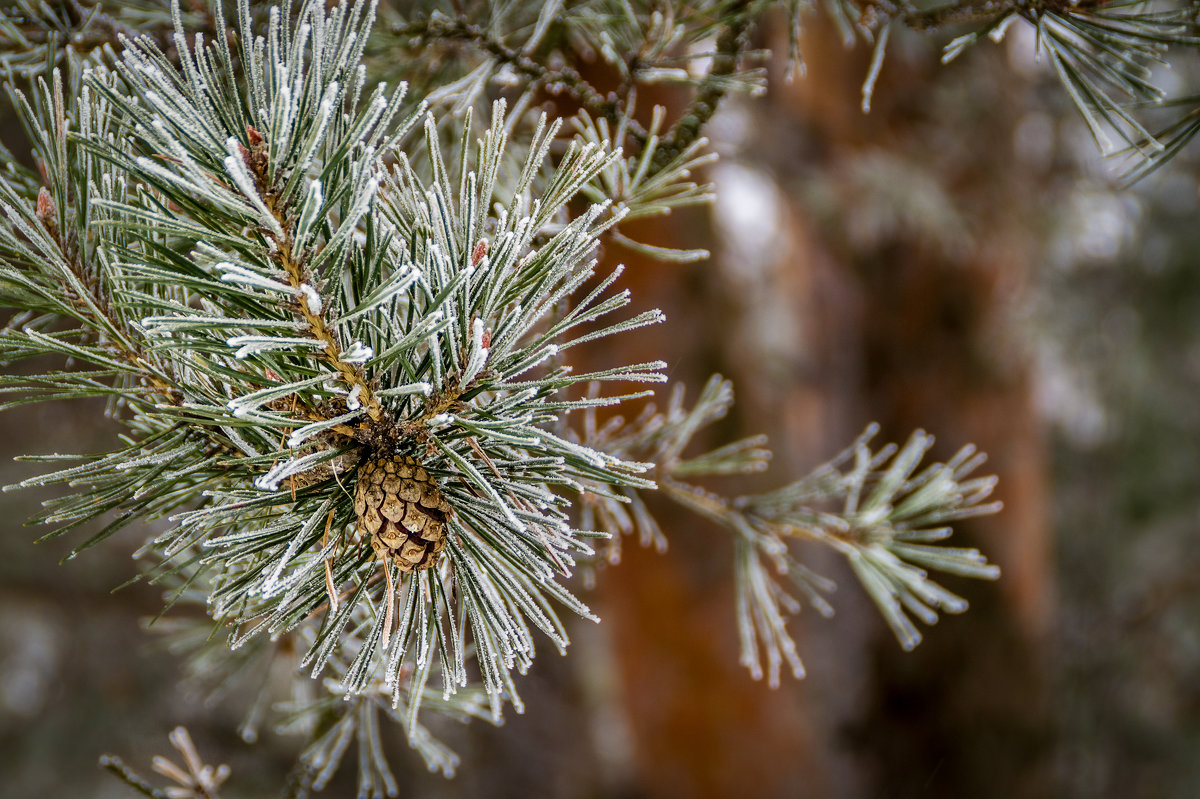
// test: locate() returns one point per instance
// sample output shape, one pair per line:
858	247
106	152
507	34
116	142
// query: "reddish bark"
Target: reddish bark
911	333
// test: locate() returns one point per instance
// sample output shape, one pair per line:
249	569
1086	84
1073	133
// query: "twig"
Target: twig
115	765
570	78
299	781
733	41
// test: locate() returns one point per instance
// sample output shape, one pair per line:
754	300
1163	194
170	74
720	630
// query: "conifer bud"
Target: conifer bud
47	212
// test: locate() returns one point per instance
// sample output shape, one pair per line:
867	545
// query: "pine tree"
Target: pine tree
334	313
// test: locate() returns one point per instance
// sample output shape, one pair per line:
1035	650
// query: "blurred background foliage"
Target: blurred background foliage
961	260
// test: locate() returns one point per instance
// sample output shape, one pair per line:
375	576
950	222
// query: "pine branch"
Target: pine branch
640	187
53	230
1103	53
437	29
322	303
646	45
890	520
117	767
732	42
193	780
38	35
308	305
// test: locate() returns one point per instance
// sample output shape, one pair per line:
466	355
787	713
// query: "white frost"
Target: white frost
312	299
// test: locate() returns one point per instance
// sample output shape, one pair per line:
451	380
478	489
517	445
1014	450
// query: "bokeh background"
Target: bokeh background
959	260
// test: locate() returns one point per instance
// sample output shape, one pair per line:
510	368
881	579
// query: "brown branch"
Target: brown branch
351	374
936	18
928	20
460	30
116	766
83	28
732	42
718	508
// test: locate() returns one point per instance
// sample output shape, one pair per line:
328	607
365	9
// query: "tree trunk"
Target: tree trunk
898	304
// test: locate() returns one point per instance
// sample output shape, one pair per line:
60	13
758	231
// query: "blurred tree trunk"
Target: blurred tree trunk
700	726
837	320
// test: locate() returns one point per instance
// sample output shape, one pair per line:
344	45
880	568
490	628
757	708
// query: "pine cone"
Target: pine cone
401	509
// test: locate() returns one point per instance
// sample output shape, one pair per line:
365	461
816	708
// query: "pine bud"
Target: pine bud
477	254
47	212
401	510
